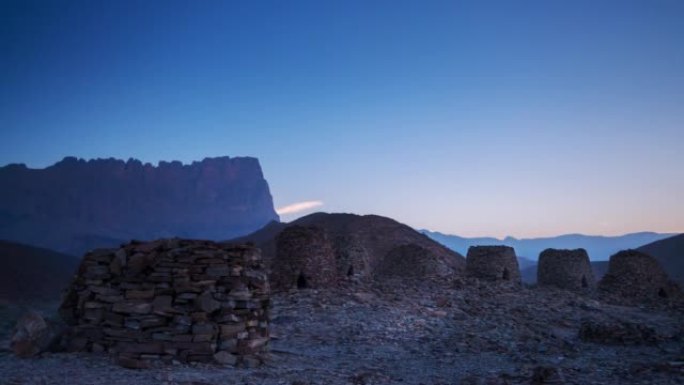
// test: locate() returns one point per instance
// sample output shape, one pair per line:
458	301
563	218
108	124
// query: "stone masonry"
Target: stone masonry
170	300
493	263
566	269
638	276
410	262
304	259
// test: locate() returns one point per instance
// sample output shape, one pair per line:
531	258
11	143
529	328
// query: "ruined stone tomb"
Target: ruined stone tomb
170	300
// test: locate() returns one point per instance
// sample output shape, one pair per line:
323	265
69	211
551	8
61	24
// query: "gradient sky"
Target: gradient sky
523	118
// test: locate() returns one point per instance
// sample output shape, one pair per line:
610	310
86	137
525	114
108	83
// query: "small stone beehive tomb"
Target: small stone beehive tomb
170	300
304	259
636	275
566	269
493	263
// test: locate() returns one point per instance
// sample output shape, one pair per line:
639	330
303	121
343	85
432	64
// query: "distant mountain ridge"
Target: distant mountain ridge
75	205
599	248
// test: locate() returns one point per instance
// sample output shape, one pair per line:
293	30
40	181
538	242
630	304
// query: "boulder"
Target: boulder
33	335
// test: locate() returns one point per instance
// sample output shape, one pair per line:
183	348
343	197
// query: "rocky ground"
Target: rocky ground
430	333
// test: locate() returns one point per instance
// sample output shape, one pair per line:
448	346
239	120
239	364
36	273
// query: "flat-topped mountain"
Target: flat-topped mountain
361	245
75	205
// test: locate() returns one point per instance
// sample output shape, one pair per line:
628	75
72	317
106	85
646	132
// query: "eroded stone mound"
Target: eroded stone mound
170	299
638	276
566	269
493	263
304	259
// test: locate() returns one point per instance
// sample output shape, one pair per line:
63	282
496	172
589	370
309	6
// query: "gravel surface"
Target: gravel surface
460	332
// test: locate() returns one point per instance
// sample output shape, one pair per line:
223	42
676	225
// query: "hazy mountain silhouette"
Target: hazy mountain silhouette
76	205
600	248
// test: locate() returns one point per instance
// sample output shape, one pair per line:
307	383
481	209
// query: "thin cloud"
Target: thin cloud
298	207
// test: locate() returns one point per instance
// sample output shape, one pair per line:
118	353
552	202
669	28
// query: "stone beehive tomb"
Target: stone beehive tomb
170	300
636	275
304	259
493	263
566	269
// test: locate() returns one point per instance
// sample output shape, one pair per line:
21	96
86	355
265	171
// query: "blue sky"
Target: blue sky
521	118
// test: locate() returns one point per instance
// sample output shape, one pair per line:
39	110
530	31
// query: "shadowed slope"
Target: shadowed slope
30	273
669	253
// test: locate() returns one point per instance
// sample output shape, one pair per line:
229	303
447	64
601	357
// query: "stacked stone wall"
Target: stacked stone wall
170	300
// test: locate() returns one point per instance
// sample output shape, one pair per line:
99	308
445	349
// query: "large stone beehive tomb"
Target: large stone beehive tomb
304	259
566	269
636	275
170	300
493	263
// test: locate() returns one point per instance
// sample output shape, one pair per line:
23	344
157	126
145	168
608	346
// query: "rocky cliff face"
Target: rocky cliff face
75	204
